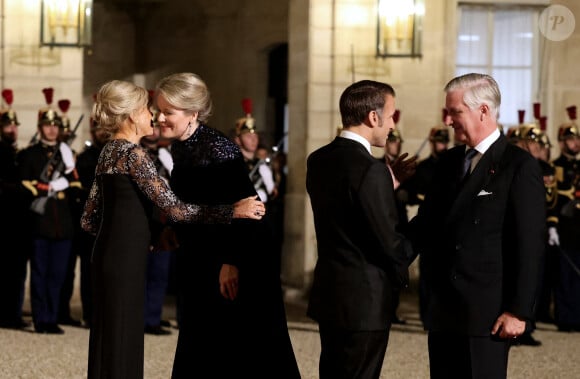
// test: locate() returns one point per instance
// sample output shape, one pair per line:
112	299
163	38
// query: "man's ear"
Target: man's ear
484	109
373	119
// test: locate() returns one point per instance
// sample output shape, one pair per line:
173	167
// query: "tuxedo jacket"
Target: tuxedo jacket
361	258
481	239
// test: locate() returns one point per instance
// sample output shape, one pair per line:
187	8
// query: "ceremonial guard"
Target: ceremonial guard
566	234
163	239
549	281
415	187
76	197
392	151
248	140
16	242
438	140
47	169
532	138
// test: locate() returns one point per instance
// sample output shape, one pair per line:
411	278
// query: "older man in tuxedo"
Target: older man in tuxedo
361	259
481	236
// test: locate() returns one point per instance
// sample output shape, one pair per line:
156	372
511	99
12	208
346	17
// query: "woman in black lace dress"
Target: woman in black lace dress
125	189
244	331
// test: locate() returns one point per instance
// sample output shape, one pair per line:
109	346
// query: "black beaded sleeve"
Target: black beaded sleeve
125	158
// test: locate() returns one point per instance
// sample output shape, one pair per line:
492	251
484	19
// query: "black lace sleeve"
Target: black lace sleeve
125	158
90	219
144	173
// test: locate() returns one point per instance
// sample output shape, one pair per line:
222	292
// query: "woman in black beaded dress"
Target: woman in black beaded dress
244	331
125	189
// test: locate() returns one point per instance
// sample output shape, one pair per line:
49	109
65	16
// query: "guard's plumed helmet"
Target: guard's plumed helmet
439	134
532	133
514	134
8	115
246	124
47	115
64	106
394	136
569	129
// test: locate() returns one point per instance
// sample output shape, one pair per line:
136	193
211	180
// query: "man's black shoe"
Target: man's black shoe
70	322
48	329
398	321
14	324
546	319
157	330
527	340
568	328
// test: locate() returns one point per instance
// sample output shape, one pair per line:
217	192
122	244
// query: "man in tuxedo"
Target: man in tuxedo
361	259
481	237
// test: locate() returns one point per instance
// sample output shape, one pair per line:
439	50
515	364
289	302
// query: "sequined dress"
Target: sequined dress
125	189
247	337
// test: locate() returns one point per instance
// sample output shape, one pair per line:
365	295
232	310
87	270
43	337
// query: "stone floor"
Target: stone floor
27	355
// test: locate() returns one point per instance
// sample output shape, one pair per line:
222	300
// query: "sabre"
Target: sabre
422	146
54	159
570	261
34	138
73	134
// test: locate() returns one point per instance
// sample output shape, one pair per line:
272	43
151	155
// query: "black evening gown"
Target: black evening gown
247	337
125	189
118	281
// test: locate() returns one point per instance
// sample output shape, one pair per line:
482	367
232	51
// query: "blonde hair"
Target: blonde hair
188	92
115	102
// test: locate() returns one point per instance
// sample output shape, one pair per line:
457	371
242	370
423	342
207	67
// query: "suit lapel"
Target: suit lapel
486	169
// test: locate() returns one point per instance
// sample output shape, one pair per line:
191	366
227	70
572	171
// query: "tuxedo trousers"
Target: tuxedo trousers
347	354
457	356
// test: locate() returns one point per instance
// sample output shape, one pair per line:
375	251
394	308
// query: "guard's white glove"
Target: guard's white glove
166	159
67	157
553	238
267	176
262	194
58	184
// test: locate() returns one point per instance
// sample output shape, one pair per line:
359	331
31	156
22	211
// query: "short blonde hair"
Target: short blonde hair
188	92
115	102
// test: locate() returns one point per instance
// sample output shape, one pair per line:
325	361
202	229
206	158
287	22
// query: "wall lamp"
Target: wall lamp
399	28
66	23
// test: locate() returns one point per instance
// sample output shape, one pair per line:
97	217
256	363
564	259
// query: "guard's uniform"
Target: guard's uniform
15	242
46	172
567	215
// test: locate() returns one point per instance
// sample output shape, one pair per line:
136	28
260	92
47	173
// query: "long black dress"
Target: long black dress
248	337
125	189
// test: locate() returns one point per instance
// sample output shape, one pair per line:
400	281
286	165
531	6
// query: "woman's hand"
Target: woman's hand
249	208
229	279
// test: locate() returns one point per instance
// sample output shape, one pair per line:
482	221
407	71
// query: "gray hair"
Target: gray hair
188	92
479	89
